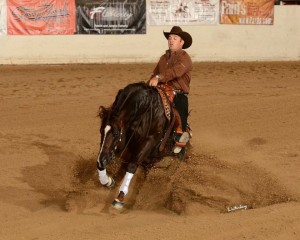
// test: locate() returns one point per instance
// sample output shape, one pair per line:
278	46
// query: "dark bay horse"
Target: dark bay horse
132	129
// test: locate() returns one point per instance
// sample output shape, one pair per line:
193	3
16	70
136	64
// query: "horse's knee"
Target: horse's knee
102	162
99	167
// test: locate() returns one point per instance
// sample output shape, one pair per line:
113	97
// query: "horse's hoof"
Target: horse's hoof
111	183
117	204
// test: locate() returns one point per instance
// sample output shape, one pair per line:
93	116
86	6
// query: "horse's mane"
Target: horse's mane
134	101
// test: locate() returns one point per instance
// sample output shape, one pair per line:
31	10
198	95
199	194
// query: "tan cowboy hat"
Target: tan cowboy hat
187	38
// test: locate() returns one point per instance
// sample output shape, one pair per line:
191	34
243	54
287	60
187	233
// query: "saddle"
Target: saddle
167	95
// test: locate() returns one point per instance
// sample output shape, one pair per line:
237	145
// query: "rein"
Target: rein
130	138
135	130
167	134
126	144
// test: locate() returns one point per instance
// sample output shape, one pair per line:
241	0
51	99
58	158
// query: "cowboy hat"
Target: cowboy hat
187	38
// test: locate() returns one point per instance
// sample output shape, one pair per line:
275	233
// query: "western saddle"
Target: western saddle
167	95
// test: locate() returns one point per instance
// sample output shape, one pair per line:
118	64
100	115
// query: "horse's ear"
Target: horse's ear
103	112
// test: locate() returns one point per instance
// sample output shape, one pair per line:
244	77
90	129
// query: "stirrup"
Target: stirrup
184	138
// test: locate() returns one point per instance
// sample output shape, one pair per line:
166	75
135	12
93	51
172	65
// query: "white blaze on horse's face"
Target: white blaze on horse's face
106	130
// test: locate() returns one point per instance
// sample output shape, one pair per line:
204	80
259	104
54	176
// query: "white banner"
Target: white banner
188	12
3	17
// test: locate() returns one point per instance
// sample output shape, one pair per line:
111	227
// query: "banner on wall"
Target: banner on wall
111	17
3	17
251	12
183	12
37	17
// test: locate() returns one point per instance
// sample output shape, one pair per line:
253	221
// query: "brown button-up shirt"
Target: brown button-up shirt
174	69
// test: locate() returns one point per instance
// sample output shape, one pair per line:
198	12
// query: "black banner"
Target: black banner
111	17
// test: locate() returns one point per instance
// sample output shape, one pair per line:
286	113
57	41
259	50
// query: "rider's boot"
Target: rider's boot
180	142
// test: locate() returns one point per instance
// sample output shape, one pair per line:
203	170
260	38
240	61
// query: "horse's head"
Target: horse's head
112	137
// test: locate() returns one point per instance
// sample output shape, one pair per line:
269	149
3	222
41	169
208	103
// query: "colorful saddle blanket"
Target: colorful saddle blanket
167	96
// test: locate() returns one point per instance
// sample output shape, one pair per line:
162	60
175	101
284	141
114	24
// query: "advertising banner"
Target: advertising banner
37	17
183	12
3	17
111	17
252	12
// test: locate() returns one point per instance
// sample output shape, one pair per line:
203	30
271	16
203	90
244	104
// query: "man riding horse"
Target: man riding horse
134	127
174	70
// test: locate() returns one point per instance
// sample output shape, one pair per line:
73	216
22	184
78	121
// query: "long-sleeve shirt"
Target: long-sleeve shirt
174	69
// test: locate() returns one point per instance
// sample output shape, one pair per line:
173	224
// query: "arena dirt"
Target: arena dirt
245	152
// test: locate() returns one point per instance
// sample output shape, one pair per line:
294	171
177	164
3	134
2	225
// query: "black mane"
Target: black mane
135	102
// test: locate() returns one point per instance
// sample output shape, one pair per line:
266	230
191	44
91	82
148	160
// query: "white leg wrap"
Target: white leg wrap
103	177
126	182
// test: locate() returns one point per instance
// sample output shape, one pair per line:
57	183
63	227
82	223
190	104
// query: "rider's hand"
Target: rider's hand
153	82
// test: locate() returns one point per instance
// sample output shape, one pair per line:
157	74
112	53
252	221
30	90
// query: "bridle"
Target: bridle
112	152
120	134
116	133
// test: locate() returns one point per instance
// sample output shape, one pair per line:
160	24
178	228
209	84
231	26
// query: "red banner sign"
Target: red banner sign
36	17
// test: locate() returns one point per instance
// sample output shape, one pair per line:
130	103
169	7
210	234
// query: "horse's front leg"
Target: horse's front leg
118	203
104	179
142	154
